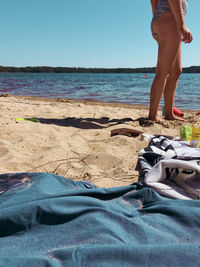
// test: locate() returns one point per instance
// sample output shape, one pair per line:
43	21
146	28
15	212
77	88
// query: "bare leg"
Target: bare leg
170	88
157	89
163	80
169	42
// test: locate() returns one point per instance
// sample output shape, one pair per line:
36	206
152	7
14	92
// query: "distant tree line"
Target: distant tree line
46	69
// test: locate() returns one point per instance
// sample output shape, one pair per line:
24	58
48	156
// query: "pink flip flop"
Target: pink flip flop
178	112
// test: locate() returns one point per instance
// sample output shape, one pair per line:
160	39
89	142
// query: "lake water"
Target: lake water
127	88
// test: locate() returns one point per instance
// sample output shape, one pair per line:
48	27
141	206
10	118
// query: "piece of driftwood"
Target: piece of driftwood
126	131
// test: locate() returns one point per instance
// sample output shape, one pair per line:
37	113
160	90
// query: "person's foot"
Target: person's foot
154	119
174	117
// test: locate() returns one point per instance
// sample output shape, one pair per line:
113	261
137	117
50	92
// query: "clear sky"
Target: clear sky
85	33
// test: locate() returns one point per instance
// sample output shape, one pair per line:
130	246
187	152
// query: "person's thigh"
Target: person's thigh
167	55
169	42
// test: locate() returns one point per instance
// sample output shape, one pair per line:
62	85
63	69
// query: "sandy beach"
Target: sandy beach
73	138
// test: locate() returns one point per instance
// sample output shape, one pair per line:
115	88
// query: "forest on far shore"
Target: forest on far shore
46	69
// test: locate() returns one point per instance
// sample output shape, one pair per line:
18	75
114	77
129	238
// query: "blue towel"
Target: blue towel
48	220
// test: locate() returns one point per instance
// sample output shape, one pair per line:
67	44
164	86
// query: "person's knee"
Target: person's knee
165	74
162	74
175	73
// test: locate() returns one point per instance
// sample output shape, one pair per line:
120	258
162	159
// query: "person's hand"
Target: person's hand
186	34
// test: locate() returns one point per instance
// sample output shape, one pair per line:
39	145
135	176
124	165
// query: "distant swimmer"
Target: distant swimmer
144	76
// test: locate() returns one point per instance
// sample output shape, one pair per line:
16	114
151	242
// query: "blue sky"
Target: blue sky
85	33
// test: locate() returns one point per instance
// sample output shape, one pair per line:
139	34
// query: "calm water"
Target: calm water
126	88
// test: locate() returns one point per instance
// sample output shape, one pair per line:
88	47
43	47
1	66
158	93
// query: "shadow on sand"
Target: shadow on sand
92	123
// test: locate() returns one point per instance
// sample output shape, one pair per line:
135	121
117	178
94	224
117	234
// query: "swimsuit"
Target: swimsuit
162	7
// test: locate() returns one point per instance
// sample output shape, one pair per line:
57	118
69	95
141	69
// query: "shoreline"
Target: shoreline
72	138
89	102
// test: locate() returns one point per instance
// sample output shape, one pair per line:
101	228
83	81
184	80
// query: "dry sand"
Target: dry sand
73	138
